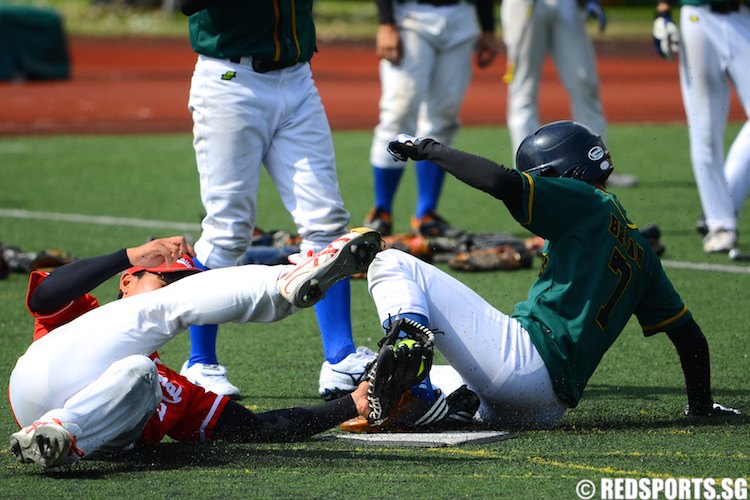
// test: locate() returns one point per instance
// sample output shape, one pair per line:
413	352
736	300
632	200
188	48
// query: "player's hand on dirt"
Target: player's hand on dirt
666	35
714	410
160	251
486	48
388	43
404	147
594	10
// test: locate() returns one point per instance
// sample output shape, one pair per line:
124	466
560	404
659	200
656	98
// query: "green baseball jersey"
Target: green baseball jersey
597	271
269	30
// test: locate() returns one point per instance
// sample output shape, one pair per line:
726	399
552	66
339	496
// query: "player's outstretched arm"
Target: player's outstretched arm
481	173
692	348
240	425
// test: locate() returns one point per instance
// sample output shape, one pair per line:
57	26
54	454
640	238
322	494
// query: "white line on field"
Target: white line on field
700	266
99	219
187	226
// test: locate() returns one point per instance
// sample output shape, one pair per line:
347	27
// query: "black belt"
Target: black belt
260	66
439	3
725	7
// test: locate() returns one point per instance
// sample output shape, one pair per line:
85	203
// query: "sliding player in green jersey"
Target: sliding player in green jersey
598	270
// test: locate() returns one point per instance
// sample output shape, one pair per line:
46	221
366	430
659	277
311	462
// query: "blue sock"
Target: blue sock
429	186
386	184
422	320
424	390
335	322
203	339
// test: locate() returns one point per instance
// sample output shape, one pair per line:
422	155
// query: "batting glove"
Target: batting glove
666	35
715	410
594	10
404	146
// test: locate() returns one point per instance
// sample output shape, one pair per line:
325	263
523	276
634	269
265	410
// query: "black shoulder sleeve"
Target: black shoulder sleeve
238	424
385	12
68	282
692	348
478	172
486	15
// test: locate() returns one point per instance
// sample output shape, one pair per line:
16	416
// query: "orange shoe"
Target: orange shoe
379	220
432	225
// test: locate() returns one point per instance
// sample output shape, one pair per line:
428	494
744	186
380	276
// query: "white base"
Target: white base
421	439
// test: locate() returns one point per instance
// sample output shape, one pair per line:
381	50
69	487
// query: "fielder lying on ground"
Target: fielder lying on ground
92	381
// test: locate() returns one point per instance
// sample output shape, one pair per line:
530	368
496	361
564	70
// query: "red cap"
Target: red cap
182	265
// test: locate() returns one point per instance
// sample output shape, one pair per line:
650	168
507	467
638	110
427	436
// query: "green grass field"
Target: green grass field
629	424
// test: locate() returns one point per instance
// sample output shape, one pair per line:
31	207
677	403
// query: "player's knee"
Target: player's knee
139	379
386	263
136	365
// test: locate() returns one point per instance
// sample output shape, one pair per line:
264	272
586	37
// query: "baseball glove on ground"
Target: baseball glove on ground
404	360
503	258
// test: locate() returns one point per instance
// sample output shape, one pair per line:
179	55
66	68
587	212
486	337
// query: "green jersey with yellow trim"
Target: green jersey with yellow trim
269	30
597	271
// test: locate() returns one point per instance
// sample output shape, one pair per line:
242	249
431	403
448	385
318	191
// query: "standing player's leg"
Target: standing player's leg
527	22
403	87
705	95
202	366
575	60
492	352
301	163
737	166
228	143
439	114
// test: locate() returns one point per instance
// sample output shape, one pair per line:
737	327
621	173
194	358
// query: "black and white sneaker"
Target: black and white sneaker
412	414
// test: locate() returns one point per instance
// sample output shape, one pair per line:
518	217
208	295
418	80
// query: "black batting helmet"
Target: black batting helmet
565	149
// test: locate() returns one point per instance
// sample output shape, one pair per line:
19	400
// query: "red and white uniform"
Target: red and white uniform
96	370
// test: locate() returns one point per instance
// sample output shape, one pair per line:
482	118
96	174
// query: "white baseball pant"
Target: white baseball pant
531	30
490	351
275	119
423	94
714	52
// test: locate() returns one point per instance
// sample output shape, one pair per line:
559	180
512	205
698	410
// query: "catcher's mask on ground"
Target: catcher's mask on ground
565	149
138	279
